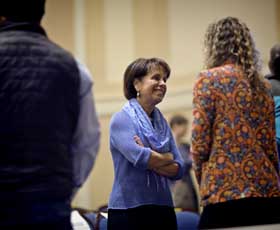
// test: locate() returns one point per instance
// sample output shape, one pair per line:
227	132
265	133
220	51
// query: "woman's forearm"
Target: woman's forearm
156	159
159	159
169	170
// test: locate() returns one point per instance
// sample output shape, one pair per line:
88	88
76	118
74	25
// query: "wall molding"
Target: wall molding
79	30
173	101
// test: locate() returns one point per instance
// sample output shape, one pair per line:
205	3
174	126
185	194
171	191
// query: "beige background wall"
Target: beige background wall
108	34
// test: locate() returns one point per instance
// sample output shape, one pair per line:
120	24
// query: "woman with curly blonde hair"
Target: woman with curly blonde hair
233	133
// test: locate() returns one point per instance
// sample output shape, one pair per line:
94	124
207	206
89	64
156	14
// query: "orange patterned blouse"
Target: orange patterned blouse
233	142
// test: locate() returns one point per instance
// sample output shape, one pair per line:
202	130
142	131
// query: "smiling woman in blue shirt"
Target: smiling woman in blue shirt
144	152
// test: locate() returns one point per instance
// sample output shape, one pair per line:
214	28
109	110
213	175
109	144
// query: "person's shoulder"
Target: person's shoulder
204	73
56	50
119	117
267	83
272	79
223	70
222	74
204	78
85	73
120	120
269	76
211	72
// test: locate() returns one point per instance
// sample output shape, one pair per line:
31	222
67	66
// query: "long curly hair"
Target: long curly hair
230	40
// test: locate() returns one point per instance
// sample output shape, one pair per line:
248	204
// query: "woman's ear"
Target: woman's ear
136	84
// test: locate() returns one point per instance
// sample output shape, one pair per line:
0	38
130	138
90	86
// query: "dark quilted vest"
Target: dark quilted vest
39	107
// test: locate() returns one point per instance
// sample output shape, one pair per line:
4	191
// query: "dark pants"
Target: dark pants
143	217
242	212
63	224
33	214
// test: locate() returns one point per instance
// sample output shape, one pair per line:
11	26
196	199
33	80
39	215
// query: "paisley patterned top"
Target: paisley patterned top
233	137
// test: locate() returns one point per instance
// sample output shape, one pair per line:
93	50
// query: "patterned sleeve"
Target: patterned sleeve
203	116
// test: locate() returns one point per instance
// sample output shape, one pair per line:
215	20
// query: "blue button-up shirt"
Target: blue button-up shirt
86	139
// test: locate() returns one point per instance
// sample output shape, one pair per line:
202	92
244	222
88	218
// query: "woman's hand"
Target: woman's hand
138	141
169	170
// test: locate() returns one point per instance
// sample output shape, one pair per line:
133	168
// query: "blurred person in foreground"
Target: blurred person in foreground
274	78
183	191
49	132
144	152
233	132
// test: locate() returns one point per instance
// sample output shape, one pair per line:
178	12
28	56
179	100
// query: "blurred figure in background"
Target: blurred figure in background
274	78
49	132
184	193
233	132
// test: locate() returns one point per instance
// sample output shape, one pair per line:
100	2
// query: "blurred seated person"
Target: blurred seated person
184	193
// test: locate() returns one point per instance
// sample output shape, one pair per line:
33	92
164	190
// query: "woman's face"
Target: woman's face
152	87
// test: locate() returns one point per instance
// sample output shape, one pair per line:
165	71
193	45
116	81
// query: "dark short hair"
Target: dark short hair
23	10
178	120
274	62
137	70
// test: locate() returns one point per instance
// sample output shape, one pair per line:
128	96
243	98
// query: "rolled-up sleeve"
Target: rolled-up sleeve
122	132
